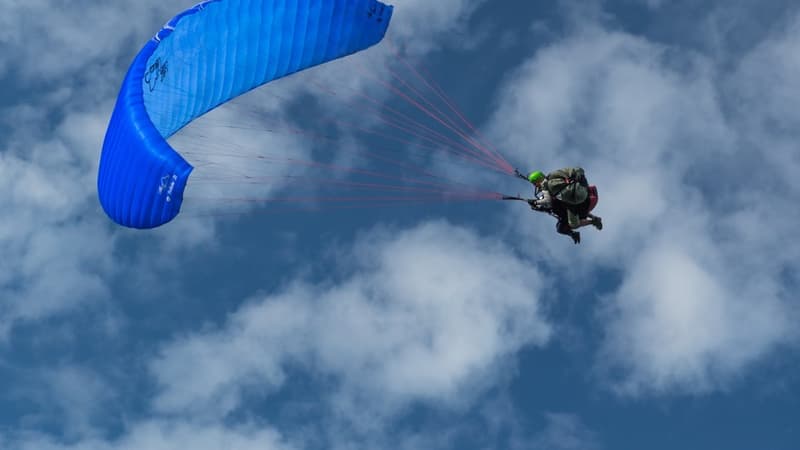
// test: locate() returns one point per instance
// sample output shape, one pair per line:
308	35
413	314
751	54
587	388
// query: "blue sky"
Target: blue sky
469	326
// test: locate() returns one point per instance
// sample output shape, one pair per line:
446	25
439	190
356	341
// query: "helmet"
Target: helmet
536	177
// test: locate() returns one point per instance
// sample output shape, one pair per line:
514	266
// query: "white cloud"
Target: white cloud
665	138
767	85
674	324
703	306
610	98
165	435
45	42
422	25
652	4
562	432
78	396
427	316
431	315
614	104
56	253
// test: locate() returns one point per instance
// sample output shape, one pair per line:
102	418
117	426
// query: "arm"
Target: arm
543	201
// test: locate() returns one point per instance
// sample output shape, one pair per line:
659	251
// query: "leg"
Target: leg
596	221
563	228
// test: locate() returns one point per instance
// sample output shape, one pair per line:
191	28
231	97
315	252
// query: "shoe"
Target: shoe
597	222
576	237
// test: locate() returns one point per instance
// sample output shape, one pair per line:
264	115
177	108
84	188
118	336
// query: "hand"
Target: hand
597	222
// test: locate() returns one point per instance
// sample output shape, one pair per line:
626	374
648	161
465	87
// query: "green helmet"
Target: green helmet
536	177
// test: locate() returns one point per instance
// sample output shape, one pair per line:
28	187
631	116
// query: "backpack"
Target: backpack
568	185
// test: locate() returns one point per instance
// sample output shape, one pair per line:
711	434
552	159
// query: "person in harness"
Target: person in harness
566	195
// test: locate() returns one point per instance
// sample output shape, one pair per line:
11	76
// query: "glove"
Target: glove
597	222
576	237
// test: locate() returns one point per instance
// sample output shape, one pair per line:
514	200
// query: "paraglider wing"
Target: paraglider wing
202	58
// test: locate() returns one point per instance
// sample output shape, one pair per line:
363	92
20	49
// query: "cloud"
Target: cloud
43	43
432	315
766	84
165	435
652	4
563	432
675	325
80	398
701	308
666	136
422	25
627	111
56	254
607	97
420	315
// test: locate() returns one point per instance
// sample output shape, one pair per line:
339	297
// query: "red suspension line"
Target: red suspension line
413	128
413	102
443	96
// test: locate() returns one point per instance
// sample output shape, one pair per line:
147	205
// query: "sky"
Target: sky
455	325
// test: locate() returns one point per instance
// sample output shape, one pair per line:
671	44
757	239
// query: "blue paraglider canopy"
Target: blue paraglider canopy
202	58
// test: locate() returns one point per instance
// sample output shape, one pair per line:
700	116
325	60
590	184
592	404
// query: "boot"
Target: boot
597	222
576	237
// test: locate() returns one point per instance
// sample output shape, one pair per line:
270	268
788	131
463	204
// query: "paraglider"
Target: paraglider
219	49
566	195
203	57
